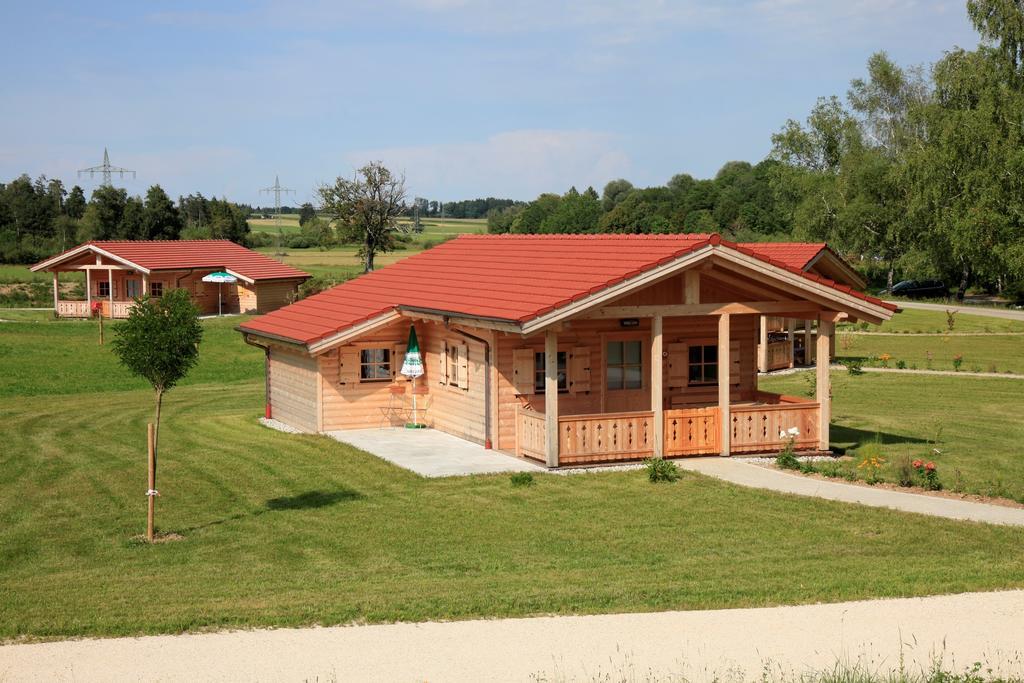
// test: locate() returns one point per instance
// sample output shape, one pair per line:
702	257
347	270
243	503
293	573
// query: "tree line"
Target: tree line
40	217
914	173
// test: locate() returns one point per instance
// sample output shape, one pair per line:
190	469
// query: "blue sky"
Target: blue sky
467	97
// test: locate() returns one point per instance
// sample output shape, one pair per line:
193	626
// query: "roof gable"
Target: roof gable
512	278
150	255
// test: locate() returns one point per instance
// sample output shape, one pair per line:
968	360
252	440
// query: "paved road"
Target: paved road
756	476
700	645
967	309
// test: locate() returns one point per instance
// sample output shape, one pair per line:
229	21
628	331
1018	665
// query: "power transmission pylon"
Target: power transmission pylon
276	189
106	169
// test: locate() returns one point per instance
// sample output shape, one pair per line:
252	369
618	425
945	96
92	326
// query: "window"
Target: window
539	369
375	365
103	288
133	288
156	289
625	365
454	379
704	364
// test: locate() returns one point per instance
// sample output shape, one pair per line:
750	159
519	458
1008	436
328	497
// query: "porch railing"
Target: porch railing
692	431
531	434
780	354
73	309
605	437
756	428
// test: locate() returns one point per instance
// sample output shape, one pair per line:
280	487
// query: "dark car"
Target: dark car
921	289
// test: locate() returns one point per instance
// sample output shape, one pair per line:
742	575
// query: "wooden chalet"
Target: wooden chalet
119	271
569	350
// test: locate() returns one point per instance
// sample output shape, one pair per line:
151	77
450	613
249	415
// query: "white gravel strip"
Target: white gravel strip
279	426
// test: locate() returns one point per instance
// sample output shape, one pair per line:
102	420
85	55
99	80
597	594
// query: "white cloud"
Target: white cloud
519	164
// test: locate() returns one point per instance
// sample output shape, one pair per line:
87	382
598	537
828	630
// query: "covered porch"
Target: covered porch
679	423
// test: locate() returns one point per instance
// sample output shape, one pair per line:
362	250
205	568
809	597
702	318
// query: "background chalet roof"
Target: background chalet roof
174	254
506	277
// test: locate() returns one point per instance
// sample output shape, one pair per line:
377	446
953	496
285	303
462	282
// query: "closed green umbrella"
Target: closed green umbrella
412	366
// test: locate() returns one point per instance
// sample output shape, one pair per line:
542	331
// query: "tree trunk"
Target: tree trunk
889	278
156	432
369	259
964	276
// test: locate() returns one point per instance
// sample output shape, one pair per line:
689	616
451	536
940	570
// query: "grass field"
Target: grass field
911	320
284	530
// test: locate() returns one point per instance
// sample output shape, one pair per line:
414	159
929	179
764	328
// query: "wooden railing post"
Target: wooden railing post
551	397
56	292
723	381
762	346
657	397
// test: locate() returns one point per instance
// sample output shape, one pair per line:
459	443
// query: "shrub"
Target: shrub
901	364
787	459
520	479
660	470
950	319
928	473
906	475
854	367
958	360
884	360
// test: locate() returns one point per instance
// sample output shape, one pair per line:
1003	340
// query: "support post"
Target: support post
56	292
723	383
150	493
88	293
791	338
110	280
145	285
823	388
551	397
808	342
657	397
762	346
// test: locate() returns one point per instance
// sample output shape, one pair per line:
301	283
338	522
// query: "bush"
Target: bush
520	479
905	472
928	473
661	470
787	459
958	360
901	364
255	240
854	367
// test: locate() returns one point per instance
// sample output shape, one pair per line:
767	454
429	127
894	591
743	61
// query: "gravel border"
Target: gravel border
279	426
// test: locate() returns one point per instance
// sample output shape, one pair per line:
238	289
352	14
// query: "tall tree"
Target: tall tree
103	215
306	213
615	192
160	219
366	208
75	204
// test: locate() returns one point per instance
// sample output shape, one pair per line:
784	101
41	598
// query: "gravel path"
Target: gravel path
747	474
731	645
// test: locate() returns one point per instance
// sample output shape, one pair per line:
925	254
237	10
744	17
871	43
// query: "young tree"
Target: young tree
159	341
75	204
366	208
306	213
160	219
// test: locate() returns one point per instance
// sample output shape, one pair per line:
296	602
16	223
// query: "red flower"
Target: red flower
918	463
930	467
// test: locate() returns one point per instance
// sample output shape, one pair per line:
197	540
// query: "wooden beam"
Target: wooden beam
56	291
791	338
746	289
691	287
762	345
677	310
464	320
88	293
551	397
724	365
110	290
808	342
103	266
657	398
823	387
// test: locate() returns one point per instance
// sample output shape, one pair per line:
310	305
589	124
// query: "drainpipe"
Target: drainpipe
267	412
487	379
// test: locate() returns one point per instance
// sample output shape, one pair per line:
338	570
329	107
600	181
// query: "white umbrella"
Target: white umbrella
220	278
412	366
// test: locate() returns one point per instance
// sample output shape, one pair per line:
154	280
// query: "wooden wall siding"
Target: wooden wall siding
361	405
270	296
593	335
531	434
293	389
693	431
605	437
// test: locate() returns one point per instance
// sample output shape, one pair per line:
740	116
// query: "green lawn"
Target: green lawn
285	530
913	320
985	353
974	422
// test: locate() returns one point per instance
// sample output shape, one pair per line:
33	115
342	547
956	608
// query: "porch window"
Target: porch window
625	365
133	288
704	364
103	288
375	365
156	289
540	370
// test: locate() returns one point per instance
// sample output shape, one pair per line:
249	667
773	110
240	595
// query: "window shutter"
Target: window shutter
442	363
522	370
678	365
579	369
734	362
397	356
463	356
348	365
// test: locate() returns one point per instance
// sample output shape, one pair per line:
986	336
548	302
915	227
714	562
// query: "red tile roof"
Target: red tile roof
504	277
176	254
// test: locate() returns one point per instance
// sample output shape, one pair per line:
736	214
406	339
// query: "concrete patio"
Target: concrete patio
430	453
